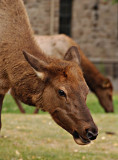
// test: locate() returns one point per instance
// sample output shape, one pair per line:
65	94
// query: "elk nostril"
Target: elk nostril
91	135
75	135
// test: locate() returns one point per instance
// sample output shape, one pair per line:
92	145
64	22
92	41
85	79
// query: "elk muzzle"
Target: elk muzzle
82	131
87	135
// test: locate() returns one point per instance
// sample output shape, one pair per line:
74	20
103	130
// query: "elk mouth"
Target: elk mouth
79	139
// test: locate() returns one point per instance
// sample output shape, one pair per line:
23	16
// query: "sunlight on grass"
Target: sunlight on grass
37	137
27	137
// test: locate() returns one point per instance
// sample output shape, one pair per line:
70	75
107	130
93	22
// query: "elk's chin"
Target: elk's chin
80	140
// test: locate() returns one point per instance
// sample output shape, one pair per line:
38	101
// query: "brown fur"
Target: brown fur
52	84
57	45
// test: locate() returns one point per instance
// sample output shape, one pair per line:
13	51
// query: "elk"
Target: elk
50	84
56	46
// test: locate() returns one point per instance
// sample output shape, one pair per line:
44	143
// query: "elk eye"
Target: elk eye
62	93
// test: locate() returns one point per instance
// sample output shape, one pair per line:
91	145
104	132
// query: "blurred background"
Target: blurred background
92	24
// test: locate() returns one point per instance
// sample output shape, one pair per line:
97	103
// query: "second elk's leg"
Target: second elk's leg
17	102
1	102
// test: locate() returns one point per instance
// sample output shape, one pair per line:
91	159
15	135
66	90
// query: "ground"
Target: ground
27	137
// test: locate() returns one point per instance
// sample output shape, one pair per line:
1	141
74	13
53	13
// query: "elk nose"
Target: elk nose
91	135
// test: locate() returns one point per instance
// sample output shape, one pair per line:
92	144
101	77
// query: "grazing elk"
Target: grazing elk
56	46
50	84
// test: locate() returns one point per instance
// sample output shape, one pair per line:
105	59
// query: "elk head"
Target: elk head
64	96
103	90
104	93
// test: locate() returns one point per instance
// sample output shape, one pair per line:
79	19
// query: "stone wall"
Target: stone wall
39	12
94	26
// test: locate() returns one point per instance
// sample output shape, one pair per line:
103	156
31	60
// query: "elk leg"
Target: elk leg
36	111
1	101
18	103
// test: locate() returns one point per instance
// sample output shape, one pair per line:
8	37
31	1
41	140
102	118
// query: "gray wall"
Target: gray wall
97	37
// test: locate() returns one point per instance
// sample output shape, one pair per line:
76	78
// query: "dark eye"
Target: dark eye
61	93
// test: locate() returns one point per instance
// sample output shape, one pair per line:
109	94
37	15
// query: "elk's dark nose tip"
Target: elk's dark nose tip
91	135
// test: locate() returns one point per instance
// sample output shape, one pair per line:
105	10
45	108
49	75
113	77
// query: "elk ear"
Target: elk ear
38	65
106	84
73	55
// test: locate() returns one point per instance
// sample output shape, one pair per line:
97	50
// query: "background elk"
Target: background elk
56	46
50	84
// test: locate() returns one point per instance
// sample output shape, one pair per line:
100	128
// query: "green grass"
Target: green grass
28	137
9	105
95	107
37	137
